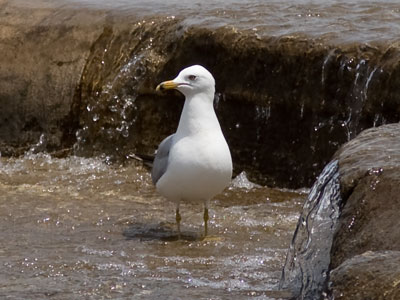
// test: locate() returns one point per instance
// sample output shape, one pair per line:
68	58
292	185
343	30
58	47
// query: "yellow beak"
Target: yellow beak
166	85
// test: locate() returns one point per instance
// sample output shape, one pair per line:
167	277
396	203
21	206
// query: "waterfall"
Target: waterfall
307	262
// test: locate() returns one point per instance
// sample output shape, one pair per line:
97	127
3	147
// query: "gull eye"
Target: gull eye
192	77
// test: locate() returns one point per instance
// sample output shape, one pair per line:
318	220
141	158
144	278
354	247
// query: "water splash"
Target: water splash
262	115
354	75
40	146
241	181
308	258
115	105
113	77
331	55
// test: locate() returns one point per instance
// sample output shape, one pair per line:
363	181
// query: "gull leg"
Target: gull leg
178	221
205	221
206	217
208	238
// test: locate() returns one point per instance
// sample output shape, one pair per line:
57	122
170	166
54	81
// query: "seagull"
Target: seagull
194	164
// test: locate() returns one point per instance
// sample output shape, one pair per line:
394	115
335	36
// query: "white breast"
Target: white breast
199	167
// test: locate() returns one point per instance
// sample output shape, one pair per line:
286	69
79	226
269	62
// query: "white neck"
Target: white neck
198	115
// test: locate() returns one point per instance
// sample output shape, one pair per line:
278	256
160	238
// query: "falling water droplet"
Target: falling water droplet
113	108
125	133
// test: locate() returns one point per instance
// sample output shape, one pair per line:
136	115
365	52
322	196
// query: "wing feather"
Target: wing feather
161	160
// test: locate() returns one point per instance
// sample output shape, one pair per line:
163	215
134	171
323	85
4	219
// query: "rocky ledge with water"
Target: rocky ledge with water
83	73
346	245
77	77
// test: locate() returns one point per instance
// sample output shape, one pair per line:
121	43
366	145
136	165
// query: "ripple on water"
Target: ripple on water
343	21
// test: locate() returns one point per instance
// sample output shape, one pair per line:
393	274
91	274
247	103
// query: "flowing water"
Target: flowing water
343	21
77	228
308	259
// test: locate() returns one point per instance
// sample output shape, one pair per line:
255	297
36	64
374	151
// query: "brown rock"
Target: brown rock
370	183
43	51
371	275
370	217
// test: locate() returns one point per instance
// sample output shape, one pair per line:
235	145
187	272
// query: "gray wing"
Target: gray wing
160	163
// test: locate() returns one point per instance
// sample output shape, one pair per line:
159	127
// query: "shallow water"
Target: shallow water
335	20
77	227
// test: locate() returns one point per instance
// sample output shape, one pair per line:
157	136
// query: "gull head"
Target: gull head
190	81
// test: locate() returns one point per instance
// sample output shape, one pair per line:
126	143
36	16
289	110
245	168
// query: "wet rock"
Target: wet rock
371	275
369	172
44	49
370	168
361	215
85	77
369	217
371	153
116	104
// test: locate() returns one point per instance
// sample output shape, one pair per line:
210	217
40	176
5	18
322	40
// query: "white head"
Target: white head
190	81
